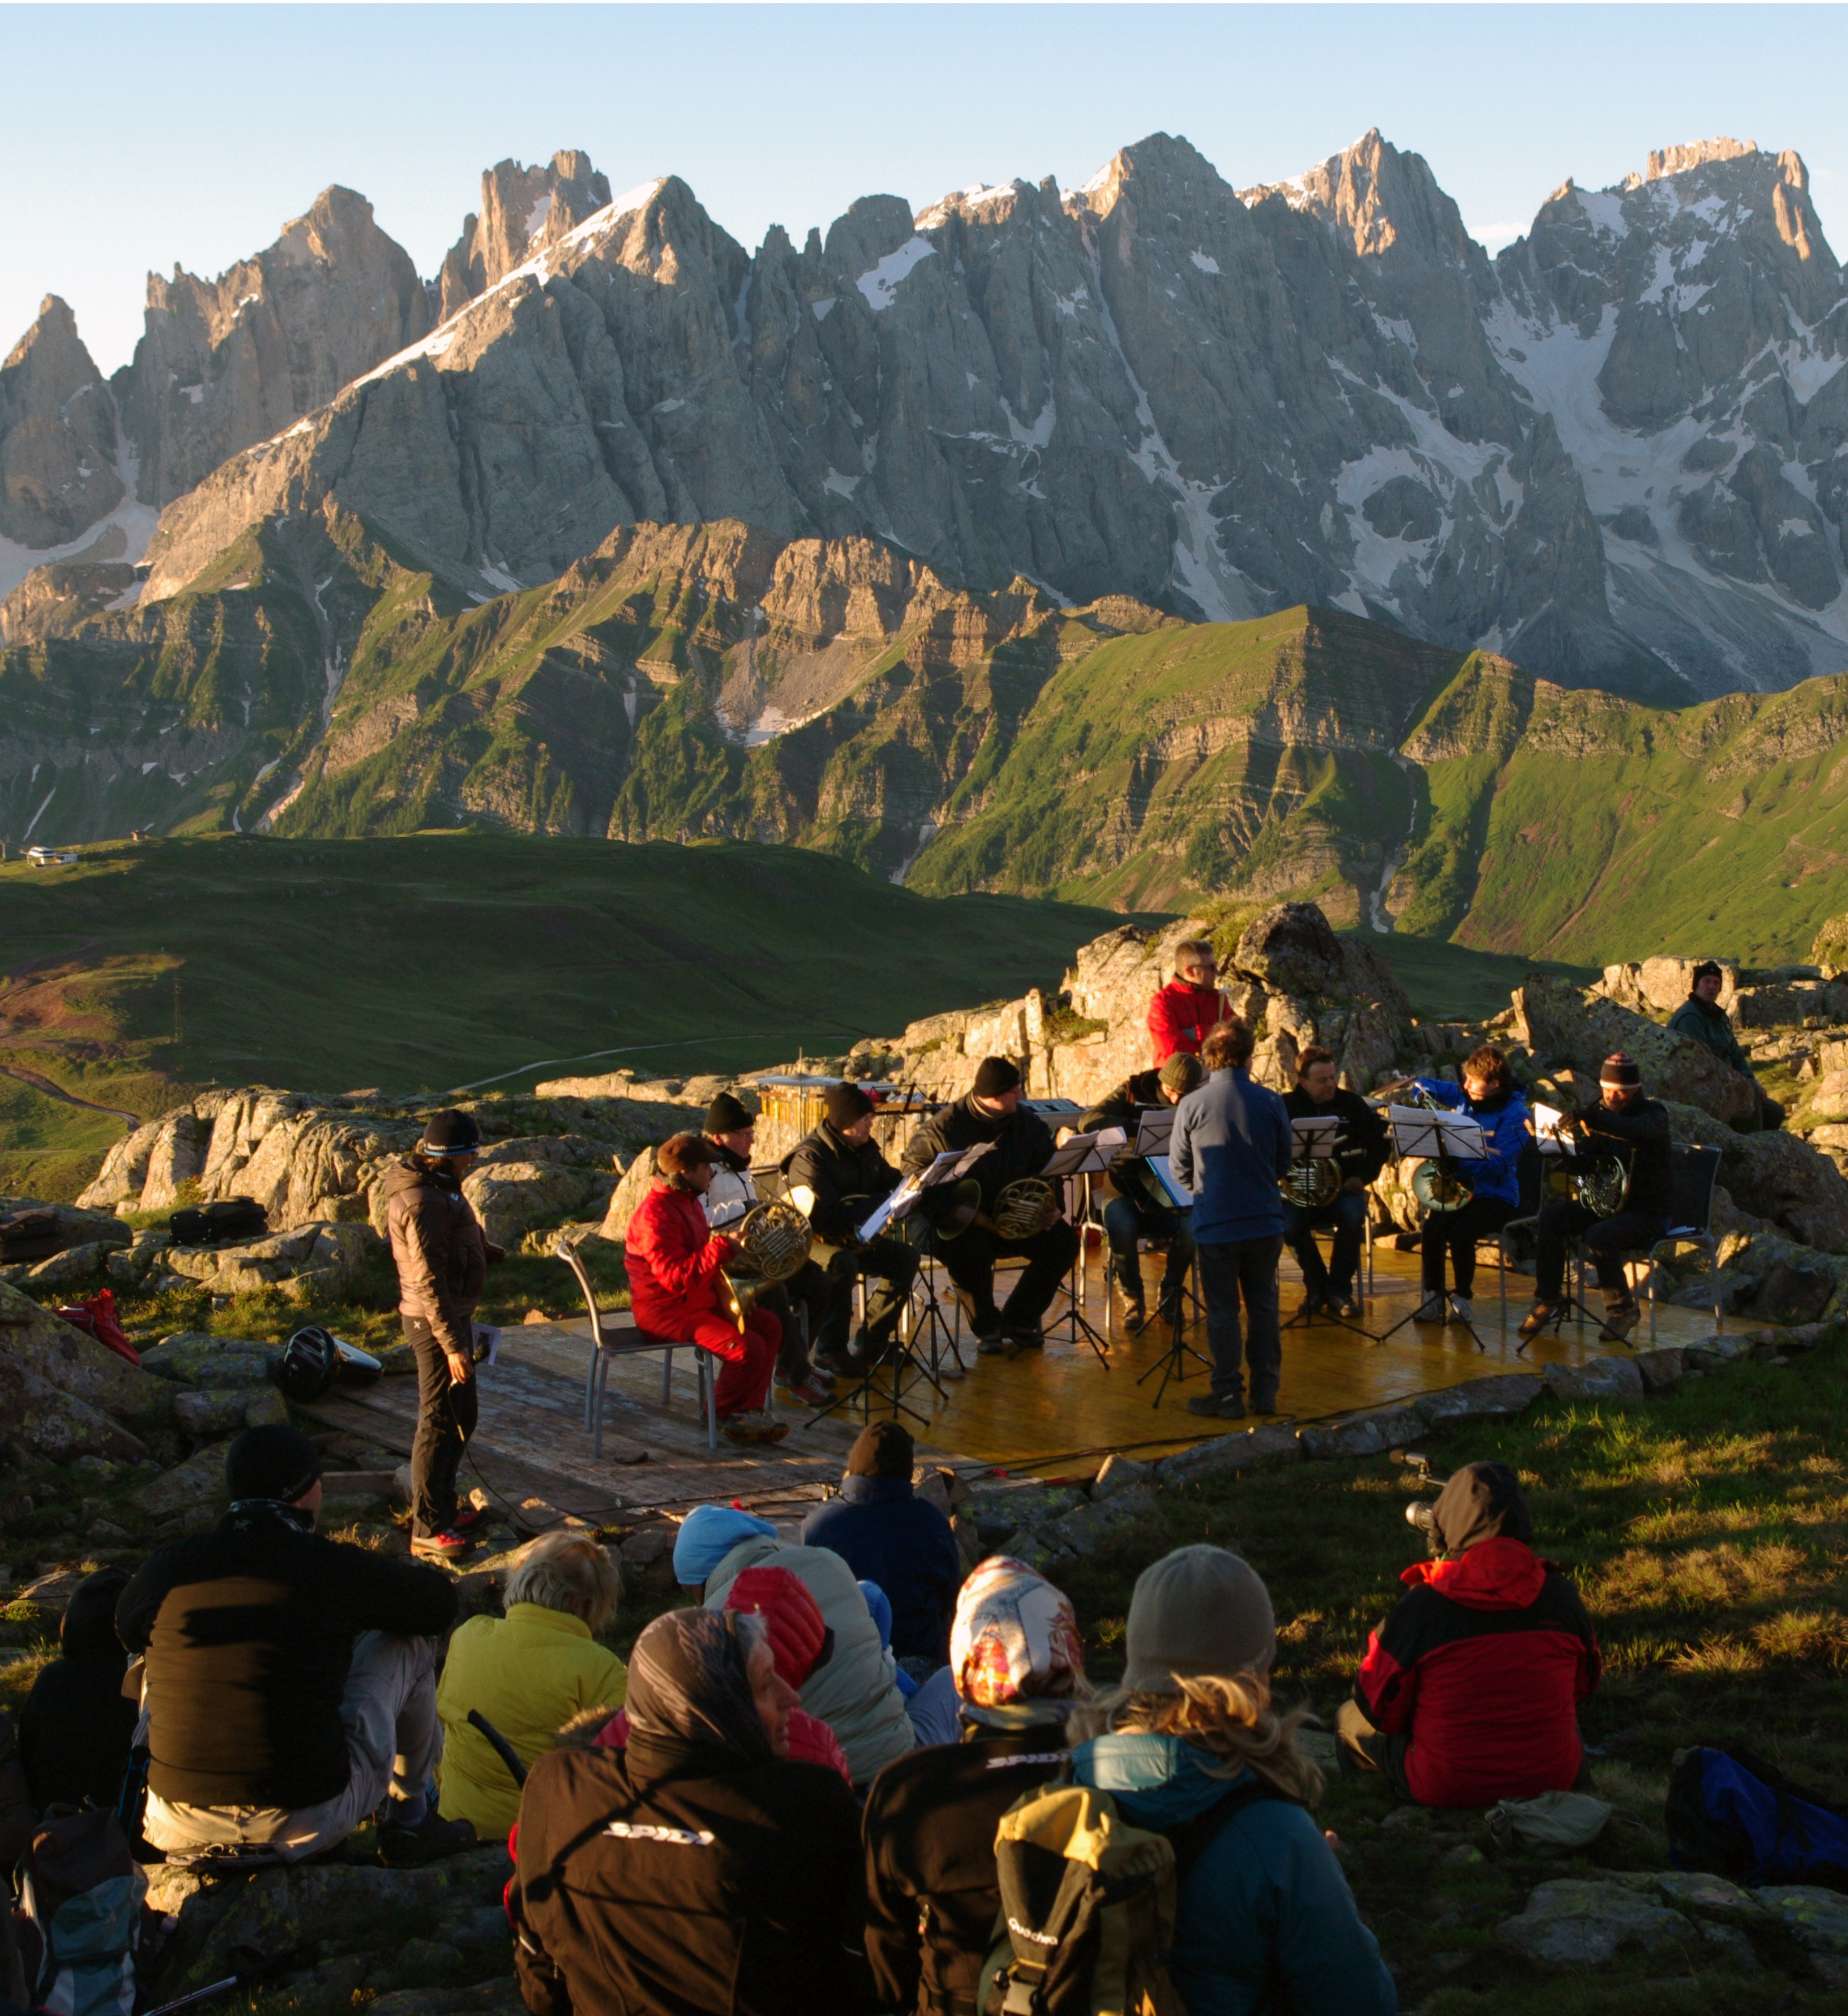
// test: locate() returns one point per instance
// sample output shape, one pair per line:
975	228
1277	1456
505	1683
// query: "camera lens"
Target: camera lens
1421	1515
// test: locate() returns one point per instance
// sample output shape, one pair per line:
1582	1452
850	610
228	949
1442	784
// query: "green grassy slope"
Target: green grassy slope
434	960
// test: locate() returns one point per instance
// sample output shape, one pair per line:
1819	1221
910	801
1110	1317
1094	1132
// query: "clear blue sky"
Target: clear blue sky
137	137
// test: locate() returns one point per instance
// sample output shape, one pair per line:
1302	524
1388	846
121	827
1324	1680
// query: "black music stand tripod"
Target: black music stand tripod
1569	1304
1422	1136
1077	1157
1317	1138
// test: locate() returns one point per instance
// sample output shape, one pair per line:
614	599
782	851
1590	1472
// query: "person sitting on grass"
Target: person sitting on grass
528	1673
1265	1918
700	1869
289	1688
1702	1019
1469	1691
886	1534
674	1260
77	1726
932	1893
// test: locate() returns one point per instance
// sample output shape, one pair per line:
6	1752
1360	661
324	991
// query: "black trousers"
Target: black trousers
1606	1240
1244	1270
889	1262
971	1261
1456	1233
809	1288
446	1416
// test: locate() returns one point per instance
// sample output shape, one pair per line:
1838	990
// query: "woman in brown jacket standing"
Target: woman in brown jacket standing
441	1255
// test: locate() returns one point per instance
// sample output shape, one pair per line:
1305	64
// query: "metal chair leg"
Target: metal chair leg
709	1399
667	1375
602	1375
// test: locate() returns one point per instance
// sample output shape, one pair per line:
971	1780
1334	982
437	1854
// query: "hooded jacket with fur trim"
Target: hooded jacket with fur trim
1483	1664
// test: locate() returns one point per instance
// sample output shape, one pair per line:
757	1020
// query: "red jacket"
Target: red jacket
1484	1664
1180	1015
671	1256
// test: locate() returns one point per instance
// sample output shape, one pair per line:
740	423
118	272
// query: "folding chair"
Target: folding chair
618	1335
1696	1172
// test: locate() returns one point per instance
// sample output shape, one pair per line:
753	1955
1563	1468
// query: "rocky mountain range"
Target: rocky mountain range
1613	453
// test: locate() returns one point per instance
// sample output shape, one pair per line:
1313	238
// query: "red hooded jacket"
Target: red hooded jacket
1483	1664
1180	1015
671	1256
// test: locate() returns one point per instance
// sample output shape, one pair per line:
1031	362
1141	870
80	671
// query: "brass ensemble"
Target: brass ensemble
1310	1184
773	1238
1022	1208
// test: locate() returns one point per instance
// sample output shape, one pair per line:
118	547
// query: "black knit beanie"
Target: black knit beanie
273	1461
726	1115
844	1104
1709	969
450	1133
996	1076
1620	1068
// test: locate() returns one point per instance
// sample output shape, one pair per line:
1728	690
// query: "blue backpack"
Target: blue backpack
1730	1814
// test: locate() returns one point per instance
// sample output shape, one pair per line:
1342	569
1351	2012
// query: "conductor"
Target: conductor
968	1247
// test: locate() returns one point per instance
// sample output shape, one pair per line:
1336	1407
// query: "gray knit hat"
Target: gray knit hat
1198	1611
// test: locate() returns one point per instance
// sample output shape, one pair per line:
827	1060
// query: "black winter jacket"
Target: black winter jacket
1362	1151
932	1895
668	1879
440	1252
835	1167
1023	1145
248	1630
1640	1136
77	1726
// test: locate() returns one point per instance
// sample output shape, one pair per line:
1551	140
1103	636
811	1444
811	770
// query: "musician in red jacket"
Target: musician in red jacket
1470	1691
674	1261
1183	1013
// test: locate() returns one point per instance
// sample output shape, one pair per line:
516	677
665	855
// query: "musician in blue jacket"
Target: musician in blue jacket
1489	1095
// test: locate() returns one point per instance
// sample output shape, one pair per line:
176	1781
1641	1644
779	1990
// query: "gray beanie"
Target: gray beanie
1198	1611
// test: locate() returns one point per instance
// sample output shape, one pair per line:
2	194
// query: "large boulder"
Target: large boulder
1578	1026
1662	985
509	1196
318	1165
1574	1923
1298	984
327	1253
626	1199
62	1394
196	1357
1780	1177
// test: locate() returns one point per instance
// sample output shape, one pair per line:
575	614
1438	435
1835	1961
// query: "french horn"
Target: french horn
1311	1185
773	1239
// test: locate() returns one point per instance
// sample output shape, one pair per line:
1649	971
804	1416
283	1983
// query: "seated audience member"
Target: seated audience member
1470	1689
801	1644
16	1818
1265	1919
674	1260
77	1726
1359	1156
528	1672
1489	1097
886	1534
699	1870
1017	1666
707	1535
1183	1014
856	1692
730	1199
1141	1209
289	1688
1701	1019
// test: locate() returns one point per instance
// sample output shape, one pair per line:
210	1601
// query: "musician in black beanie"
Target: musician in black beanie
1635	1131
1022	1145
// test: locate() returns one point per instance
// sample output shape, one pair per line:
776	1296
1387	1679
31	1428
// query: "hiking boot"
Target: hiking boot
1349	1308
1025	1336
1462	1309
754	1428
1432	1309
1221	1410
1537	1318
806	1393
1310	1307
470	1518
1621	1314
433	1838
445	1544
841	1364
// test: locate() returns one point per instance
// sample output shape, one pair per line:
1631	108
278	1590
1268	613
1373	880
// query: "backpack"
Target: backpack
1729	1813
82	1898
211	1224
1089	1904
33	1233
96	1317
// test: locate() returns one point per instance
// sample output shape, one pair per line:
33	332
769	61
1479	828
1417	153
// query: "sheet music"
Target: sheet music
1165	1175
952	1162
1547	1122
1462	1139
1079	1154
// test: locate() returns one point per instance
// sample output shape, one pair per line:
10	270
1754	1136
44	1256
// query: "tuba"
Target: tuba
774	1239
1436	1187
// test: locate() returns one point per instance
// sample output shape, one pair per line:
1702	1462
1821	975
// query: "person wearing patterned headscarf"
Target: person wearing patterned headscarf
700	1868
931	1889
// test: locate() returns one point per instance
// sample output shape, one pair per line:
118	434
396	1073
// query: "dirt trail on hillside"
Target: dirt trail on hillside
39	1083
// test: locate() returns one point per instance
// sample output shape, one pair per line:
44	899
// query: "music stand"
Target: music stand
1316	1136
1451	1139
901	1353
1551	1138
1172	1364
1085	1155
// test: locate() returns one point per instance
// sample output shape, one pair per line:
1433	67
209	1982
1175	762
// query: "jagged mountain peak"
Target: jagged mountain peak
1678	160
1384	203
59	446
523	210
51	354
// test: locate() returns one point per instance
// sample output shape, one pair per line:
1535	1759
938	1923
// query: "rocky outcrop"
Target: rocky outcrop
523	212
53	601
228	362
63	1394
1661	984
1573	1025
58	437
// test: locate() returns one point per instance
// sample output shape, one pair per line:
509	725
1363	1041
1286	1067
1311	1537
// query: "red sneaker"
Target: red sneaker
468	1520
444	1544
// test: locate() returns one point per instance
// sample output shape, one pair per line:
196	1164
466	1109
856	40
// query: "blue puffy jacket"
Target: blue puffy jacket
1506	1126
1266	1901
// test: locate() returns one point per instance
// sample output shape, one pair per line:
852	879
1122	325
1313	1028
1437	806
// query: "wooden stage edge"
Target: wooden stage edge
1058	1412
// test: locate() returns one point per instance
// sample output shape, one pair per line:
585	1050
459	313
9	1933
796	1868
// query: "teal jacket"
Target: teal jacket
1266	1904
1708	1022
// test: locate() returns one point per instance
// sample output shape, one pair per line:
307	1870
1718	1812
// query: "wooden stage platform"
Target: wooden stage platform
1057	1413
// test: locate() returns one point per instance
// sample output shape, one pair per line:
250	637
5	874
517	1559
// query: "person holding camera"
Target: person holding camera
441	1255
1469	1692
